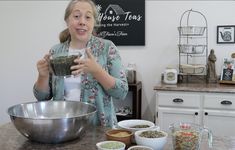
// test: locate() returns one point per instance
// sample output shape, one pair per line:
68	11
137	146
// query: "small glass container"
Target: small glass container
131	73
188	135
170	76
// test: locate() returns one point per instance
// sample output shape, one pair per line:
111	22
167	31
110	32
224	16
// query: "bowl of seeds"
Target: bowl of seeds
151	138
136	124
110	145
121	135
139	147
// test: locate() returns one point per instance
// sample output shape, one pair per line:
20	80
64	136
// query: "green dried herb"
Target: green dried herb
152	134
61	65
186	140
140	126
111	145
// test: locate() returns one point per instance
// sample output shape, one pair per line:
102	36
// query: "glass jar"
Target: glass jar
170	76
131	73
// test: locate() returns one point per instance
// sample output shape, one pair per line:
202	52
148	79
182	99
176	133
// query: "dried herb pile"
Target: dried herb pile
61	65
152	134
140	126
186	140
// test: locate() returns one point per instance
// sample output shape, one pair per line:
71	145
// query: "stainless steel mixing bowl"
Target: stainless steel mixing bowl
52	121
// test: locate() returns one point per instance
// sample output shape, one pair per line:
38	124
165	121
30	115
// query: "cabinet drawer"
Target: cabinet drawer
178	99
219	101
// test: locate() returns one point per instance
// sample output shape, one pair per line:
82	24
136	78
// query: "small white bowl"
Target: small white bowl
155	143
110	145
137	147
129	124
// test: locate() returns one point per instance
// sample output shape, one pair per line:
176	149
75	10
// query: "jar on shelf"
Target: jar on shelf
131	73
170	76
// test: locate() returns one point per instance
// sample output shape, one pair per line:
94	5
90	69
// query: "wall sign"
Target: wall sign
122	21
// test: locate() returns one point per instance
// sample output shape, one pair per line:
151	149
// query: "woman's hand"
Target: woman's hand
88	65
43	66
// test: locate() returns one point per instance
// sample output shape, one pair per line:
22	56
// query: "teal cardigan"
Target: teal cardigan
108	57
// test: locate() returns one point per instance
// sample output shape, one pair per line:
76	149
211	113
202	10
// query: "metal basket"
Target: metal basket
192	69
191	30
191	49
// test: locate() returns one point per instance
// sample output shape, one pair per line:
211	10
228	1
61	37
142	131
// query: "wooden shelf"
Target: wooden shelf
226	82
136	90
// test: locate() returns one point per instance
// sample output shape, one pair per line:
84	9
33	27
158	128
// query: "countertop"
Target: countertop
197	87
11	139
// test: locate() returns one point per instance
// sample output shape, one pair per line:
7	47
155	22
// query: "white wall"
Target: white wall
29	28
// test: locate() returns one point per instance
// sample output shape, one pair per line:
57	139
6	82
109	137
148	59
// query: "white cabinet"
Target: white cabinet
220	122
177	106
213	110
167	116
219	113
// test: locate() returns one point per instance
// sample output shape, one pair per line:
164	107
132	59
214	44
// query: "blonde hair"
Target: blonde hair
65	35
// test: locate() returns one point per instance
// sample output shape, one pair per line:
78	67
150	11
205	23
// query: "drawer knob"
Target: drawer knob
178	100
196	113
206	113
225	102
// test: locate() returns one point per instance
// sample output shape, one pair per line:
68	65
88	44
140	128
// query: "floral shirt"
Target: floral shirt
108	57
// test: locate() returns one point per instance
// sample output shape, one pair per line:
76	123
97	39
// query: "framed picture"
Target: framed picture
226	34
228	73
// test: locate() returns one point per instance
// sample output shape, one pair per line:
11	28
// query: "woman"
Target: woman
97	76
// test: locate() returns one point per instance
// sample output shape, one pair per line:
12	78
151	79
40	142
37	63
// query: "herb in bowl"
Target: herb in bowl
152	134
